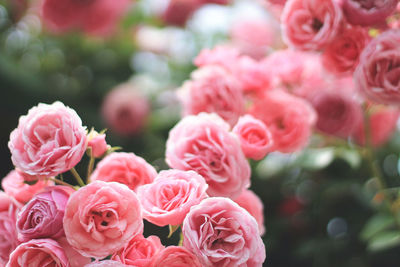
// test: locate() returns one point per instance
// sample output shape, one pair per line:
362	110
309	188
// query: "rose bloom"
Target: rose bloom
38	253
310	24
221	233
124	168
221	55
174	256
139	251
74	257
14	186
9	209
255	138
97	143
289	118
100	218
48	141
213	89
378	74
42	216
342	54
125	110
253	204
368	13
179	11
106	263
169	198
65	15
204	144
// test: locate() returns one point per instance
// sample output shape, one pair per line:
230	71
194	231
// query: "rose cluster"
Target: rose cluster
44	221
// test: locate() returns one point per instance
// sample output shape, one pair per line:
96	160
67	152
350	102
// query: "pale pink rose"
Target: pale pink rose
48	141
124	168
213	89
42	216
221	233
65	15
382	124
310	24
253	204
289	118
368	12
97	143
125	110
255	138
204	144
139	251
169	198
377	75
74	257
100	218
38	253
9	209
341	56
222	55
13	184
179	11
105	263
174	256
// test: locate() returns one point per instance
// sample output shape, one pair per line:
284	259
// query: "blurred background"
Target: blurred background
318	204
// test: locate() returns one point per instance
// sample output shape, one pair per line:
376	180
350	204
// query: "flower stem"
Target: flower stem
181	239
90	166
77	177
58	181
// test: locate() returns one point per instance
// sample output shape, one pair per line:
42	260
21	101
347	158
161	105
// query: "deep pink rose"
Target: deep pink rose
289	118
125	110
221	233
169	198
378	73
368	12
255	138
139	251
42	216
342	54
13	184
124	168
213	89
38	253
310	24
48	141
97	143
100	218
253	204
9	209
106	263
179	11
174	256
204	144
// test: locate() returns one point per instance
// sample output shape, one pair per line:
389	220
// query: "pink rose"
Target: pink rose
378	73
124	168
174	256
106	263
139	251
14	186
97	143
213	89
255	138
253	204
38	253
9	209
169	198
48	141
310	24
342	54
75	258
222	55
221	233
179	11
204	144
368	13
42	216
289	118
100	218
125	110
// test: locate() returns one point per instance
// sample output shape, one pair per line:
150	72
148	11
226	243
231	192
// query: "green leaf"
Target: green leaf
316	159
384	240
375	225
274	164
172	229
31	182
351	156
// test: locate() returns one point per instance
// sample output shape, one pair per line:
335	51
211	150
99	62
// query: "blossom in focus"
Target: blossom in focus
97	143
174	256
368	13
253	204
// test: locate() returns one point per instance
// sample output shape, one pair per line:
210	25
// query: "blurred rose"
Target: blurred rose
221	233
213	89
174	256
124	168
310	24
204	144
378	73
101	218
222	55
125	110
13	184
179	11
368	13
253	204
48	141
